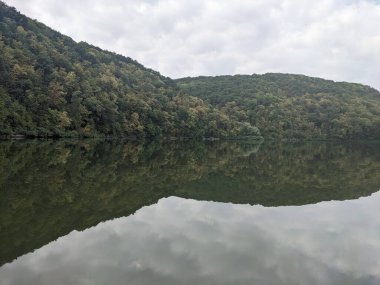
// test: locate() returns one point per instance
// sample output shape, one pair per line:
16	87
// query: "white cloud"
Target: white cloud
335	39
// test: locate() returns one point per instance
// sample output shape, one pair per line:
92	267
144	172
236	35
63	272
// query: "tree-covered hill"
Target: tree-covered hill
293	106
52	86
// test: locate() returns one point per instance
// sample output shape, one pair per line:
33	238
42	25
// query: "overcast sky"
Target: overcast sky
334	39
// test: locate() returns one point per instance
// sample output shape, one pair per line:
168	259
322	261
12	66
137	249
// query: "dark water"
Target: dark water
189	213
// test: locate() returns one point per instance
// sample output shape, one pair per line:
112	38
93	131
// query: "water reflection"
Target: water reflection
179	241
50	188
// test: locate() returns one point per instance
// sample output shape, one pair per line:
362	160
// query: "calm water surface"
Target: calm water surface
189	213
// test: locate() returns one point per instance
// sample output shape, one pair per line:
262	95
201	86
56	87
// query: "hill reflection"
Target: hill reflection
50	188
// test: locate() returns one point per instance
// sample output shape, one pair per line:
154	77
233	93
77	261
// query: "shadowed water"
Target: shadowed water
207	213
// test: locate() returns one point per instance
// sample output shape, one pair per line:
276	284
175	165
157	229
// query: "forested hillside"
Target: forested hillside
293	106
53	86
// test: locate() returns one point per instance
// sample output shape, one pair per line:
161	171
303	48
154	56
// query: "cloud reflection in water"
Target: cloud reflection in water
179	241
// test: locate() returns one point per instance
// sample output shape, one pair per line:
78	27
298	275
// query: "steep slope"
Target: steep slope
53	86
293	106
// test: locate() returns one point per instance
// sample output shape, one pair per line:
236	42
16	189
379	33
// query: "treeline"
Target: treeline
285	106
53	86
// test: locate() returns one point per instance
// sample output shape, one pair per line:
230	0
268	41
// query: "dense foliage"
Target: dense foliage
293	106
53	86
50	188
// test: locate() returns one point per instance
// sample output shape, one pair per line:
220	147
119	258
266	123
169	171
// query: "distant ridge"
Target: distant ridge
290	106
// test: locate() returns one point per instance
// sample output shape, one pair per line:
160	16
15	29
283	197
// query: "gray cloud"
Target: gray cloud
335	39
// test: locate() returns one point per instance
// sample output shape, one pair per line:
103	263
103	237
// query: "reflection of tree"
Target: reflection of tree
292	175
49	188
